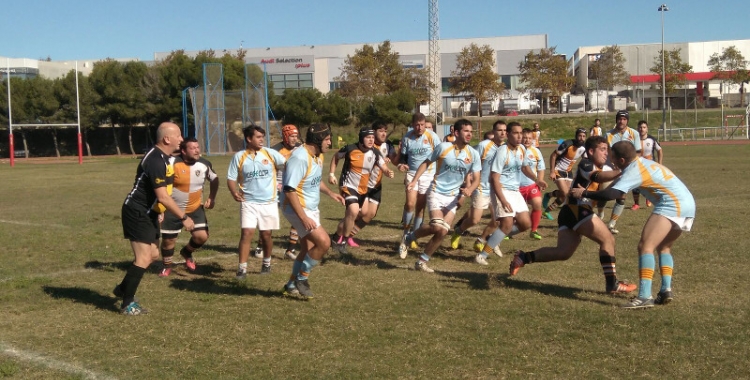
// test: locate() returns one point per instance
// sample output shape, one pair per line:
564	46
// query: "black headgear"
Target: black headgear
364	132
622	113
316	134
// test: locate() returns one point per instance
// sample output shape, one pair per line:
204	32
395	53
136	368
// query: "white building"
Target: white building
644	90
318	66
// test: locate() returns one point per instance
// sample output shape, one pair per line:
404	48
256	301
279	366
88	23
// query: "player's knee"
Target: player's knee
620	201
199	238
439	225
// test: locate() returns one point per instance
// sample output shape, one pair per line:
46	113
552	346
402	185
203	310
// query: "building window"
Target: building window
282	82
334	86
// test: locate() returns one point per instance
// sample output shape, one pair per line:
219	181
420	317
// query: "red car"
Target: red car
508	113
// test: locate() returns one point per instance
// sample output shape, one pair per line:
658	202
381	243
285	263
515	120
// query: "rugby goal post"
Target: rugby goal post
11	145
730	130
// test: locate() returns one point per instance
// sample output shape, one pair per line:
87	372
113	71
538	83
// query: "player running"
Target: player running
289	142
562	161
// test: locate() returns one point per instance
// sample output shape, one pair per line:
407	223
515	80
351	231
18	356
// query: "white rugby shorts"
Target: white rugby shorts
261	216
436	201
296	222
516	202
423	184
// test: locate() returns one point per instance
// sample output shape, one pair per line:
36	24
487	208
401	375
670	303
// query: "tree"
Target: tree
121	99
370	72
393	109
298	106
334	108
65	92
675	69
475	75
609	69
545	73
730	67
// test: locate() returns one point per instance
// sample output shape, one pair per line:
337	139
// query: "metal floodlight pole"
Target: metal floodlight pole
78	113
10	117
663	8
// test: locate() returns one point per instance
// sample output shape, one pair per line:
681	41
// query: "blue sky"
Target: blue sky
87	29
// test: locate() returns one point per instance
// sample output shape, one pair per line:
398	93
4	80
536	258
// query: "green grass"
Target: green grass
373	317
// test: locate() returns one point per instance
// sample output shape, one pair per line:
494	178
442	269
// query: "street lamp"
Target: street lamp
663	8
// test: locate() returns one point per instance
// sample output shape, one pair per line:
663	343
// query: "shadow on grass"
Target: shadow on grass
477	281
83	295
553	290
108	266
222	286
374	223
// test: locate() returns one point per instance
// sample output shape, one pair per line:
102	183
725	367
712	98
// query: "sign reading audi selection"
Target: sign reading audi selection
304	63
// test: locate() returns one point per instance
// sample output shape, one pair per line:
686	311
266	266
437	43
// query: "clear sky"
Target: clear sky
97	29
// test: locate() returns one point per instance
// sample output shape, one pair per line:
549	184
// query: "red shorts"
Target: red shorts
529	192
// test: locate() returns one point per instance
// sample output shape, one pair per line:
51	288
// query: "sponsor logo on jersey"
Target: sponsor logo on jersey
467	160
265	162
258	174
159	180
197	172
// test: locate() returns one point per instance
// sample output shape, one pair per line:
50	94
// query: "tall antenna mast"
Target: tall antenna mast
436	101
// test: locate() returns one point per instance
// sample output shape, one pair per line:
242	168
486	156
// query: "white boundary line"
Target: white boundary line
32	224
35	358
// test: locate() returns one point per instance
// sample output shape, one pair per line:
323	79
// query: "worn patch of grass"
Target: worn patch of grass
372	316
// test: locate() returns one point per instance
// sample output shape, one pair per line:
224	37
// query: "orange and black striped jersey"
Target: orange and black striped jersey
358	166
386	150
567	155
187	190
586	168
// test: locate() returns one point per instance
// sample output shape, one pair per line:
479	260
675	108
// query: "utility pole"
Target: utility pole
436	85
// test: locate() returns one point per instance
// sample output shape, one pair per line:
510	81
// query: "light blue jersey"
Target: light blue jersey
628	134
451	166
660	186
303	173
536	161
256	174
508	163
486	150
419	148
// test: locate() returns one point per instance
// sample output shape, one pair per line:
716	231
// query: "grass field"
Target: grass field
373	317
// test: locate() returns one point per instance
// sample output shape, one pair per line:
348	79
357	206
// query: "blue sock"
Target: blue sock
307	265
666	265
424	257
295	272
646	264
406	220
484	254
417	223
514	230
495	239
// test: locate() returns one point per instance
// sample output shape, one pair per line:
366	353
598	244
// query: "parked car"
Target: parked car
508	113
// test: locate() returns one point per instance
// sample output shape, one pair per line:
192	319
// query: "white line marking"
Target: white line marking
32	224
50	362
52	274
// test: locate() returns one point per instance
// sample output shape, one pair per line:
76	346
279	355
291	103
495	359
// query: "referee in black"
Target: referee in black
143	208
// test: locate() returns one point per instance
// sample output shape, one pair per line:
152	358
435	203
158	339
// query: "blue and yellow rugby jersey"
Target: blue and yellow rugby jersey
256	174
451	166
660	186
486	150
303	173
508	163
536	162
419	148
628	134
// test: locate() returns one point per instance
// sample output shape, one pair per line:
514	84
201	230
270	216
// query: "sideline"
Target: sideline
32	224
35	358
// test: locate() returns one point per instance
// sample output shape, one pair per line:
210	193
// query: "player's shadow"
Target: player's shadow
82	295
373	223
476	281
108	266
155	267
223	248
553	290
221	286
